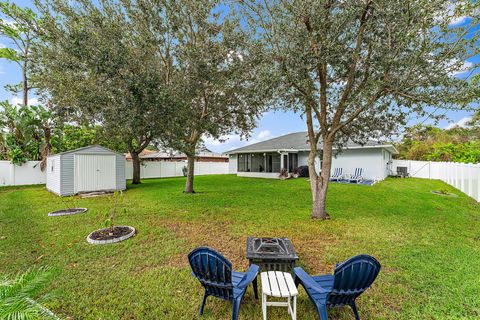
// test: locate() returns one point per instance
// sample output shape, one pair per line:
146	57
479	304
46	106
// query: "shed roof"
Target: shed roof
83	149
298	141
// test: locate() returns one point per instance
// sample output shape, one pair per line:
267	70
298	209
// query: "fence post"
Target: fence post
454	178
449	172
457	176
12	174
478	182
470	175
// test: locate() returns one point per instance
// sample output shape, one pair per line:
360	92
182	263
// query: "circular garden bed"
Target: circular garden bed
66	212
111	235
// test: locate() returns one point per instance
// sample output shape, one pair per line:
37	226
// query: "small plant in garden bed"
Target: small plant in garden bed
283	174
111	233
295	173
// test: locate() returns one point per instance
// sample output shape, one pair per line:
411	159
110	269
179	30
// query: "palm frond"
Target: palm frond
17	296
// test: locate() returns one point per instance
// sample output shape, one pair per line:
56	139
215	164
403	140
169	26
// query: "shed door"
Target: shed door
94	172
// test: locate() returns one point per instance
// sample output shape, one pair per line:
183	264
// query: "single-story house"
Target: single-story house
266	159
144	152
202	155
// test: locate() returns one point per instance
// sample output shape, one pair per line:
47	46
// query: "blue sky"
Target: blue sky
270	125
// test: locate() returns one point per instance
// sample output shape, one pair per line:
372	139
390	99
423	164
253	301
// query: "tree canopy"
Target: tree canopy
214	75
357	70
429	143
98	64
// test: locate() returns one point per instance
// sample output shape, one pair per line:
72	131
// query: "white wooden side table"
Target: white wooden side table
279	285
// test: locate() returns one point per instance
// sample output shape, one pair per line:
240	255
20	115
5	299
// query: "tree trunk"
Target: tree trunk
136	167
319	183
25	84
47	148
190	174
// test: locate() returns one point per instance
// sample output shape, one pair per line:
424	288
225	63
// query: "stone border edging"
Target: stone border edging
125	237
63	212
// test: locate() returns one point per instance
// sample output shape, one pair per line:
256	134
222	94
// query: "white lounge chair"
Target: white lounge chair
337	174
356	176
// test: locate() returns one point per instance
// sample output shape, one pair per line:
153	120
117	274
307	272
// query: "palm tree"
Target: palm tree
17	296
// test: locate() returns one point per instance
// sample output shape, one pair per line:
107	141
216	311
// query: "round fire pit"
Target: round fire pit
66	212
111	235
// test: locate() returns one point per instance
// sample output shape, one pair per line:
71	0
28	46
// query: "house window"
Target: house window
292	161
244	163
272	162
52	166
259	162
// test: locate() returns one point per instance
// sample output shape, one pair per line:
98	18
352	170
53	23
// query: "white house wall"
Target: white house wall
303	160
232	163
371	160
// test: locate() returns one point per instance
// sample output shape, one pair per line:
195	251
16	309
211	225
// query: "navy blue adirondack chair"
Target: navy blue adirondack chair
216	275
350	279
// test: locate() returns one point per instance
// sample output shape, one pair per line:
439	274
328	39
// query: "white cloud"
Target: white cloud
264	134
464	67
16	100
2	46
456	21
460	123
452	15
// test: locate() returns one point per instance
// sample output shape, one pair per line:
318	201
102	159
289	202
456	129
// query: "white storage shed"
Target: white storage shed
92	168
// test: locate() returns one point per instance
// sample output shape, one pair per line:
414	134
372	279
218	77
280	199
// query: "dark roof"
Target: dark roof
176	154
298	141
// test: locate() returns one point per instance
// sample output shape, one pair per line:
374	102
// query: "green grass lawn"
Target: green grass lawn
428	246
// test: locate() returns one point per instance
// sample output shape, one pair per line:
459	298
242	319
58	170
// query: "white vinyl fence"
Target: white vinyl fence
30	173
463	176
164	169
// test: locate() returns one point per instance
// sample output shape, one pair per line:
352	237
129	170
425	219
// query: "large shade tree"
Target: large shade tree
98	64
357	70
19	26
213	74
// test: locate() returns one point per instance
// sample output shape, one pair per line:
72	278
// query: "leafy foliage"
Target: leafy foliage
19	25
22	132
33	132
117	202
430	143
357	69
17	296
100	65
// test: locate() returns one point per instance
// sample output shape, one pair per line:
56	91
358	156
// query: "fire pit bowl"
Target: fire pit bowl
271	254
